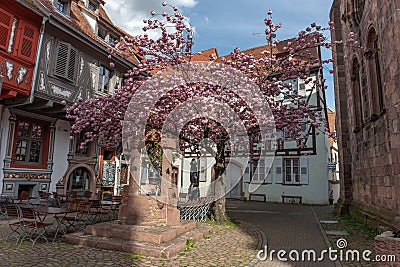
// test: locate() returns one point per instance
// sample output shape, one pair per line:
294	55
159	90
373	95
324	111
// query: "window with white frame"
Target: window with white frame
291	88
203	169
104	79
106	36
92	6
63	6
292	170
111	39
246	174
258	171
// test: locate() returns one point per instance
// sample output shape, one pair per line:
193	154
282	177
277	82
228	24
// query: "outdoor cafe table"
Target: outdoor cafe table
59	216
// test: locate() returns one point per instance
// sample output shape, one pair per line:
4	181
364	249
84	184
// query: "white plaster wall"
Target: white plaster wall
91	20
316	192
4	124
60	157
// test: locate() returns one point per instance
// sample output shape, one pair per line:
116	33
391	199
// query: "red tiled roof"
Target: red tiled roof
205	55
79	22
331	122
278	50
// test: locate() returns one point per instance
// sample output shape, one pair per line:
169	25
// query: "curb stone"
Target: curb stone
326	240
261	242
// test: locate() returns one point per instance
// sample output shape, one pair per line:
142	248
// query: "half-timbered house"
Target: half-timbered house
72	63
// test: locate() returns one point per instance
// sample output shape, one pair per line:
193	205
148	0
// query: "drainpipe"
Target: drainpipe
36	70
31	97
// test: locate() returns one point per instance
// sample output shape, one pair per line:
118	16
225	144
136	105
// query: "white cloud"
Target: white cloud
129	14
206	19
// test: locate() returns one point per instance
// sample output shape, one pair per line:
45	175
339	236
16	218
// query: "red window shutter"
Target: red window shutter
28	36
6	21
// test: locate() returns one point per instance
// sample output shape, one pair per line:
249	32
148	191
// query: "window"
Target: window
63	6
60	6
292	171
258	171
92	6
203	169
66	61
28	36
291	134
21	39
30	143
357	104
246	174
6	22
374	76
290	89
102	33
111	39
358	8
79	180
104	79
79	140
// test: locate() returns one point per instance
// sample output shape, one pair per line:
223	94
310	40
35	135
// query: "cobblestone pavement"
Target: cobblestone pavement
229	245
287	227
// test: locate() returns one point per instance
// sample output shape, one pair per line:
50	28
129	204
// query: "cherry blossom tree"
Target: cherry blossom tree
101	117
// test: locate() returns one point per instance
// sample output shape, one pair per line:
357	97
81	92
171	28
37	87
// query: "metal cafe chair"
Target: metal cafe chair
44	198
31	226
97	212
24	197
81	217
12	214
87	195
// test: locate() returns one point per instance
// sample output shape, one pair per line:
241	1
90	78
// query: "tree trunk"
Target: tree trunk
219	209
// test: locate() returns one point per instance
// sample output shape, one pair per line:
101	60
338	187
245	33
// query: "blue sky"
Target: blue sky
229	24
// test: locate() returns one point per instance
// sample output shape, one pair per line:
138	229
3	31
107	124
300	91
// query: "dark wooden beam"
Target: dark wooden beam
40	105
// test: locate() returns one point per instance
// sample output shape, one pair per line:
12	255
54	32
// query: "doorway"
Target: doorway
233	181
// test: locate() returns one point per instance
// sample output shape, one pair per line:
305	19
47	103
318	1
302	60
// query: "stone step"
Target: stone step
164	250
329	222
149	234
337	232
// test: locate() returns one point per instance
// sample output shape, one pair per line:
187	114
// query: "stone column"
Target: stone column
133	188
169	191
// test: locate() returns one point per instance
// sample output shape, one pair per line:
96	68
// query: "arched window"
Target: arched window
357	100
358	8
374	75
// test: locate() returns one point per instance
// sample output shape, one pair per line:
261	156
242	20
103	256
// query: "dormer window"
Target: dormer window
92	6
106	36
63	6
111	39
102	33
